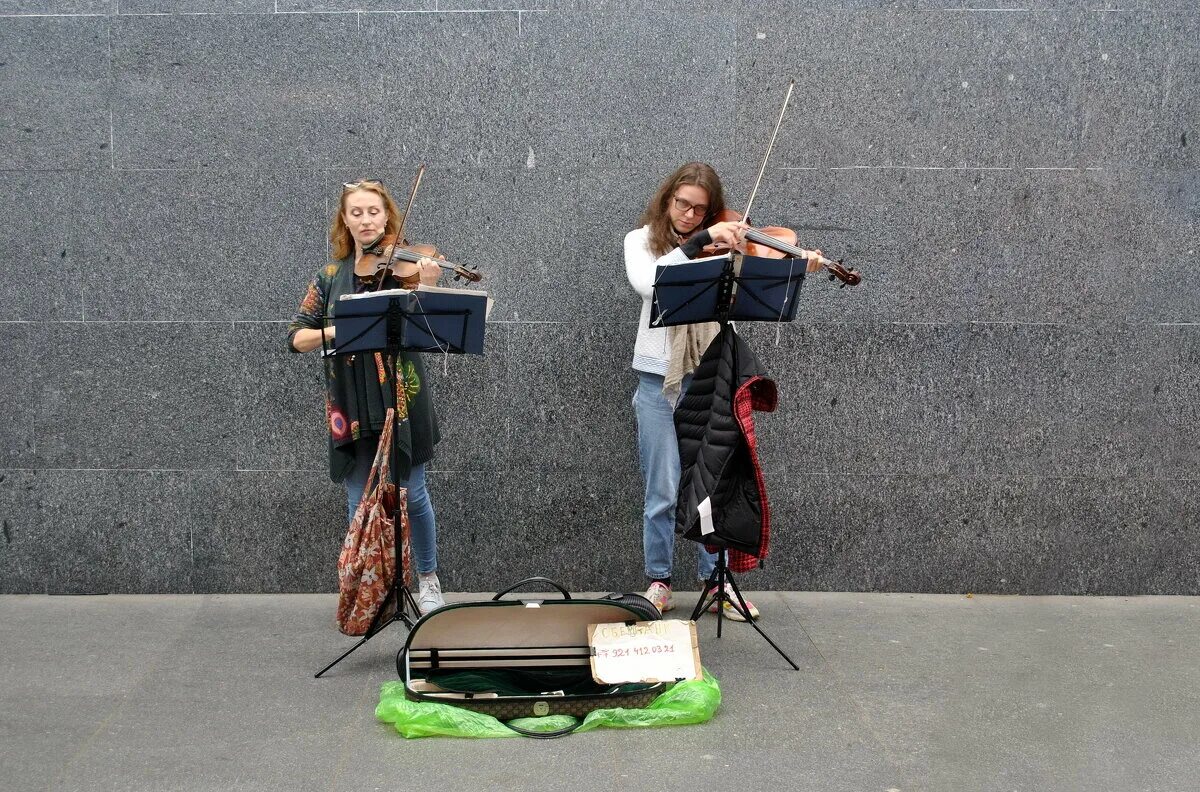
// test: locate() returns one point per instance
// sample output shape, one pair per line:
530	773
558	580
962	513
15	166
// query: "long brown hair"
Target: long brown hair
340	240
662	235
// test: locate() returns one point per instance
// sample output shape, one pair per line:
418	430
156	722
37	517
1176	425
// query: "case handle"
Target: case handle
548	735
566	594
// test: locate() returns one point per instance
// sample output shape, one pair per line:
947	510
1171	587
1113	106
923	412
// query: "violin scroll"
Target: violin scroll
838	271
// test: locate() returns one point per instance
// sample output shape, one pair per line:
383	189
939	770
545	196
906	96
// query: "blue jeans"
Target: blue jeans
420	507
658	451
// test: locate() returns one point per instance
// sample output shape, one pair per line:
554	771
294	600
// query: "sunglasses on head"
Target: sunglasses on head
348	186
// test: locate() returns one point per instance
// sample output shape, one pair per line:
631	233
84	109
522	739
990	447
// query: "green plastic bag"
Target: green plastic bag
693	701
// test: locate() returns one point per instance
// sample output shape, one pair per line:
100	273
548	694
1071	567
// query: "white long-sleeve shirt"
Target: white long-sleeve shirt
650	352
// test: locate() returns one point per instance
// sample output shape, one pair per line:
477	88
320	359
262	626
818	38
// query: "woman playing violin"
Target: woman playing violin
677	225
359	388
686	218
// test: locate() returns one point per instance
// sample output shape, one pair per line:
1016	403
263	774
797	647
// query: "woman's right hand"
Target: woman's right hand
729	233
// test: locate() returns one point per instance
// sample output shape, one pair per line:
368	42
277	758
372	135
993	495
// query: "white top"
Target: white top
650	352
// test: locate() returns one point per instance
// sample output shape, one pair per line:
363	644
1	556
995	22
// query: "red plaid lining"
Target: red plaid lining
756	393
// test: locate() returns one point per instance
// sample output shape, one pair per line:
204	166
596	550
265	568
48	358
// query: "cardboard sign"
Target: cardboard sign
652	651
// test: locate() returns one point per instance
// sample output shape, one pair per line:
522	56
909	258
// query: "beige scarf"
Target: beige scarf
686	344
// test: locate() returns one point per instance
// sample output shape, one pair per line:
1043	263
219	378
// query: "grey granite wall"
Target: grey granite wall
1008	403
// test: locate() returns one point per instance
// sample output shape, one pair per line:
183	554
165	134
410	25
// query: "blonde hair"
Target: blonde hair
662	235
341	241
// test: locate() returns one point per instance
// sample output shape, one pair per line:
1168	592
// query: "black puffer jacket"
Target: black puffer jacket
718	452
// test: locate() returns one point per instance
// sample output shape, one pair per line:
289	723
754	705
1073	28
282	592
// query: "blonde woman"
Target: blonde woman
359	388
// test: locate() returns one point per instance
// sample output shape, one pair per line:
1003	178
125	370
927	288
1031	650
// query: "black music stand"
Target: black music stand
722	289
447	321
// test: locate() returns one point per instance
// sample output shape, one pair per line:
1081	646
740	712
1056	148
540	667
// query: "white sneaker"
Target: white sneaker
659	595
429	593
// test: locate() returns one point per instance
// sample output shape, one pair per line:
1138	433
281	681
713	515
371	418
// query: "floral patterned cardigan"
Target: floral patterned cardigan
357	388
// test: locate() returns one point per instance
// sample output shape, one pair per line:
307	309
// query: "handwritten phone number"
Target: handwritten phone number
636	651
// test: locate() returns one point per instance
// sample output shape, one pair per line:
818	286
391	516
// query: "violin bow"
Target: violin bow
770	145
412	196
849	276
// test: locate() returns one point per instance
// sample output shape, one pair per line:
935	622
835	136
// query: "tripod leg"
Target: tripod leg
721	596
774	646
345	654
408	602
703	602
740	604
371	633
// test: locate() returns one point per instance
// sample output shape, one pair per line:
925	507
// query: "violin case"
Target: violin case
519	657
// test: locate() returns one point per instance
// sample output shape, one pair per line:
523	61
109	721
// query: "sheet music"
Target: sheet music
423	287
384	293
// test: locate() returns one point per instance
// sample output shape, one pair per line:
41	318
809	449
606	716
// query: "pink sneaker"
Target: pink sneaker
729	609
659	595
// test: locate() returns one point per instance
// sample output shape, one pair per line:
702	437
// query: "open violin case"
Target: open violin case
518	657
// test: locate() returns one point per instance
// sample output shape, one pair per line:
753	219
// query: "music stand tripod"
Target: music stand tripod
722	289
385	322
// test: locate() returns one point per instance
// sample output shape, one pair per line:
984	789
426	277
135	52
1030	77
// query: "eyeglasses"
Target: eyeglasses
348	186
684	207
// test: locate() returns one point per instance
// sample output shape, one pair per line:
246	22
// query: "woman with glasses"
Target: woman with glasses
359	388
676	226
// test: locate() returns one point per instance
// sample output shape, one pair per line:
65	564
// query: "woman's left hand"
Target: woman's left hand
814	261
429	271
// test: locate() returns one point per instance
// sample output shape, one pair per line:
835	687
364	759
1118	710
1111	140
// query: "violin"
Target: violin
387	255
778	242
